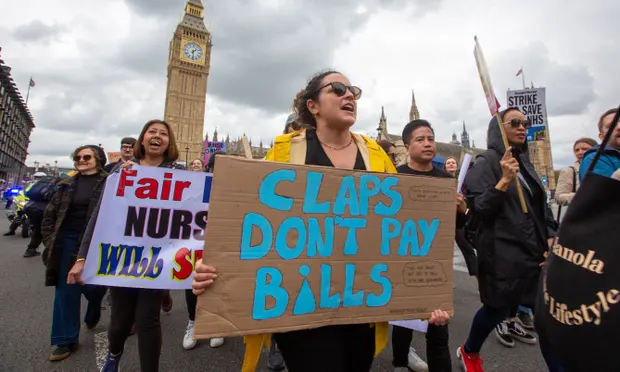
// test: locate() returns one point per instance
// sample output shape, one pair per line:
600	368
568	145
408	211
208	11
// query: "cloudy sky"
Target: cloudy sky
100	66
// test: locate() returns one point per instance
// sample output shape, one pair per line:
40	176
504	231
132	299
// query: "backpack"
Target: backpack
43	190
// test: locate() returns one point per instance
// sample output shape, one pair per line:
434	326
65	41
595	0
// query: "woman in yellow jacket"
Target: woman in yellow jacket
329	106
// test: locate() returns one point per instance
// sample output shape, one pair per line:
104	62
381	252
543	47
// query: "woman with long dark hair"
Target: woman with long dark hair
156	147
64	221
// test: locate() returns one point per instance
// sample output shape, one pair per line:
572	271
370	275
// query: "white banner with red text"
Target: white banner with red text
150	229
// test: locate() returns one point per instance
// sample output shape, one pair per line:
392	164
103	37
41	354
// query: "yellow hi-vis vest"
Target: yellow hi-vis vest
292	148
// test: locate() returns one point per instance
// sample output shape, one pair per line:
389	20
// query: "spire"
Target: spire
194	15
473	144
465	137
382	132
207	137
454	140
215	135
414	114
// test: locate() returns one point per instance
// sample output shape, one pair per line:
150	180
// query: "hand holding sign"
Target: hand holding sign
510	166
75	274
204	275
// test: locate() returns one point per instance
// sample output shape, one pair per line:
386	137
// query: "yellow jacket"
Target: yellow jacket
291	148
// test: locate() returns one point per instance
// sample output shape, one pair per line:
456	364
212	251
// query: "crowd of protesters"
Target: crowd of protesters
505	249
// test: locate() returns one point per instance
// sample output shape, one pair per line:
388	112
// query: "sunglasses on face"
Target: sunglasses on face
340	89
80	157
515	123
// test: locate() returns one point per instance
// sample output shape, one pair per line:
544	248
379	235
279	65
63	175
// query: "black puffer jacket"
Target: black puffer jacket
510	243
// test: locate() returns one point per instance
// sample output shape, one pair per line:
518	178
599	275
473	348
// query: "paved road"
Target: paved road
26	312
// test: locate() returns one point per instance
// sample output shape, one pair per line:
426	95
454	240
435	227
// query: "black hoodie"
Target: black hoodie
510	243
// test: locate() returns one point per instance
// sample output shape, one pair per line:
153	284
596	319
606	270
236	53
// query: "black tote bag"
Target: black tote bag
579	300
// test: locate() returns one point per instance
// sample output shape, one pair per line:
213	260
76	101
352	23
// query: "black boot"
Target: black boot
31	252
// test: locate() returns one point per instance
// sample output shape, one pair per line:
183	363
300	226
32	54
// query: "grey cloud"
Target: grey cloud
258	49
37	31
570	88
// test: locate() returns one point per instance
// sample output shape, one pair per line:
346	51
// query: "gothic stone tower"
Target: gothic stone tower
414	114
188	70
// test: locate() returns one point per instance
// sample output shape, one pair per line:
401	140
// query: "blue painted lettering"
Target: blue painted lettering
313	185
249	252
390	229
350	244
305	303
328	301
409	238
286	252
429	233
347	197
397	200
320	242
384	298
267	191
369	187
350	298
272	288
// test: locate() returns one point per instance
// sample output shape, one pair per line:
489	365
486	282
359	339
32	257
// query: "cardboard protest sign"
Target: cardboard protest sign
113	157
532	103
299	246
150	229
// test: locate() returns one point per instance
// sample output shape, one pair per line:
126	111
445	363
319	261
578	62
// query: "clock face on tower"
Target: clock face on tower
192	51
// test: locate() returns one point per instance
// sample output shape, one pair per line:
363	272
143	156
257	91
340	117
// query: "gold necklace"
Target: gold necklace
336	148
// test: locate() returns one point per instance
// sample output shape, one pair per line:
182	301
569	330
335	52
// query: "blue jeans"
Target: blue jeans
67	297
485	321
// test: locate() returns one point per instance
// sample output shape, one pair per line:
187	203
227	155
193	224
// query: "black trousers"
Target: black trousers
35	238
437	347
340	348
191	300
143	307
468	251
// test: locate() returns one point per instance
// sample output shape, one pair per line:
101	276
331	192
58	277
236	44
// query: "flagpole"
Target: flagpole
523	78
28	94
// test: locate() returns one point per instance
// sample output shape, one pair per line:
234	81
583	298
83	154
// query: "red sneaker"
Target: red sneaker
166	304
471	362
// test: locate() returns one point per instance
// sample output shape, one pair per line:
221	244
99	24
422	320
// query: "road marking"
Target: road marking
101	348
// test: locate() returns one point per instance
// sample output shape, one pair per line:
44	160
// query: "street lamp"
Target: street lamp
187	155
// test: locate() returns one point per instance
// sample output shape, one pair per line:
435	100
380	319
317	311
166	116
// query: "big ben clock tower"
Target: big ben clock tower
188	70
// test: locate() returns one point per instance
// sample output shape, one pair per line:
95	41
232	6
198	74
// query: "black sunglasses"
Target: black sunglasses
77	158
515	123
340	89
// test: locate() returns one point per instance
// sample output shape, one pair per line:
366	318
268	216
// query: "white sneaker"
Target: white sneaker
188	340
415	362
216	342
